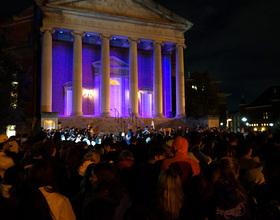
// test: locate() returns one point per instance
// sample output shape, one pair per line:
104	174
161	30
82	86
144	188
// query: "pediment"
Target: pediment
114	63
131	9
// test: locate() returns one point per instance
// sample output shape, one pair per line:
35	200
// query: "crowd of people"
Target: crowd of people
147	174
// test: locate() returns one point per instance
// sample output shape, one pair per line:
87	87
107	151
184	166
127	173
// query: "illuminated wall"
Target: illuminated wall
62	74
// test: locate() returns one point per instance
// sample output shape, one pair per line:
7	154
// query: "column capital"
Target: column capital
181	45
133	40
51	30
75	33
157	42
102	36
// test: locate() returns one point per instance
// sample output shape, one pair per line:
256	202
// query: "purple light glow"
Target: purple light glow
119	95
166	85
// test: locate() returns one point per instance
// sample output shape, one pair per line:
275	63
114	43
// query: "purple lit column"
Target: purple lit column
157	82
180	86
105	75
133	76
77	74
46	91
167	89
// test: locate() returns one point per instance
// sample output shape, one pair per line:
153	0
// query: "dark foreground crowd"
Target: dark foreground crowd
196	175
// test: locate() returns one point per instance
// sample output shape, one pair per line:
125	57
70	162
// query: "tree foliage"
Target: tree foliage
201	95
13	85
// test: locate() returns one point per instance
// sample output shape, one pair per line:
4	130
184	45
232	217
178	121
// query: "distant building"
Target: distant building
205	101
260	115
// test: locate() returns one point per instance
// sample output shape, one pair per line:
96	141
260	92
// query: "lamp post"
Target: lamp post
244	120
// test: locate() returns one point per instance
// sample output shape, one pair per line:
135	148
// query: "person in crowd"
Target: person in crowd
250	173
41	175
5	161
78	202
127	172
132	145
266	197
196	142
200	199
110	153
232	201
107	193
180	150
92	156
128	136
170	196
59	168
28	203
148	174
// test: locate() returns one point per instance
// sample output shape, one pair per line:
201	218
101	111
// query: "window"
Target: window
194	87
14	95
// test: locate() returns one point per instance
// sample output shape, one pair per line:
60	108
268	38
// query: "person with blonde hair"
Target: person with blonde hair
232	200
170	196
92	156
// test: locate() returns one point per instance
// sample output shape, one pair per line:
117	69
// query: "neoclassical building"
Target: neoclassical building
103	56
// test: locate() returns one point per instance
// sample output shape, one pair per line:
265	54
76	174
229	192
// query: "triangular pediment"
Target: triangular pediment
131	9
114	63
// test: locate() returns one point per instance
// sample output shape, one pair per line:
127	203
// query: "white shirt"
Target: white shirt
59	205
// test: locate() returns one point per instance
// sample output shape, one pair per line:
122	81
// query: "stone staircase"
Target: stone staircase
102	125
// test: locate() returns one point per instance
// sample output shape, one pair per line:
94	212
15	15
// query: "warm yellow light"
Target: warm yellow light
255	129
88	93
114	82
263	128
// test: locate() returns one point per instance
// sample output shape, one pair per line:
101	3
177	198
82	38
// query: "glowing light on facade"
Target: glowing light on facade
88	93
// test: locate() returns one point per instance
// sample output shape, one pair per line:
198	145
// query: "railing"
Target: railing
120	119
133	116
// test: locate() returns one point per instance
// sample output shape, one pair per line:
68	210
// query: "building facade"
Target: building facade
99	57
262	114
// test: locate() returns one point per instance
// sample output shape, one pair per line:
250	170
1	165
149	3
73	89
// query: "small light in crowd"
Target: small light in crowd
221	123
255	129
271	124
244	119
61	32
247	124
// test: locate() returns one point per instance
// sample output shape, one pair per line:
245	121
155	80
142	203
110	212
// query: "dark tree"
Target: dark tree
201	95
13	85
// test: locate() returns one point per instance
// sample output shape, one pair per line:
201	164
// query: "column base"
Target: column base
180	116
105	114
46	108
76	114
137	115
158	115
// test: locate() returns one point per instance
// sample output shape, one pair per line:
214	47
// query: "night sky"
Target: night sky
237	41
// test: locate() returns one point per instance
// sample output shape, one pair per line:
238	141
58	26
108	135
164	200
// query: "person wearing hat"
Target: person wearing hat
5	161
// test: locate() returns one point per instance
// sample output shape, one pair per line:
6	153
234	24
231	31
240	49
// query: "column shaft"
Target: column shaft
167	84
77	74
105	76
157	82
133	77
46	91
180	82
